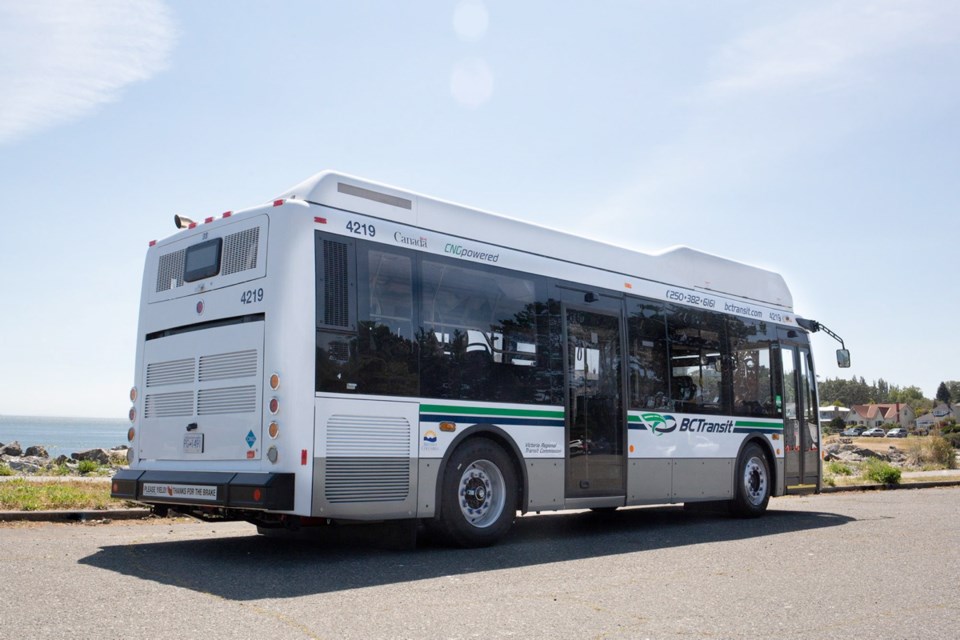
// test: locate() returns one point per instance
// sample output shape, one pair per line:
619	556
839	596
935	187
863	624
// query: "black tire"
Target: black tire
478	501
753	483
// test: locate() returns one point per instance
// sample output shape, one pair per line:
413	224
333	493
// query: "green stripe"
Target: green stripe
765	425
490	411
634	419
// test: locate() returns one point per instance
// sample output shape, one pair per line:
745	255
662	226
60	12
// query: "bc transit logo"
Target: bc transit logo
659	423
430	437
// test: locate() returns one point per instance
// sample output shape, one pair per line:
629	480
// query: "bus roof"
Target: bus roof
680	266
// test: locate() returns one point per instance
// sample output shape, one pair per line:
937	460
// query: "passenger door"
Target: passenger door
595	415
801	427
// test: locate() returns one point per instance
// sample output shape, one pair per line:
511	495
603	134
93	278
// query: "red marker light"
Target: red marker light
153	243
320	220
257	495
208	220
227	214
277	203
192	225
303	457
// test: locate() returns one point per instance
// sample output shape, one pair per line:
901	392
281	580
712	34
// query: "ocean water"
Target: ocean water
63	435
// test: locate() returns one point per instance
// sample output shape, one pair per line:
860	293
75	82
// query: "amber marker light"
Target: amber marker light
131	434
273	430
275	381
448	427
133	394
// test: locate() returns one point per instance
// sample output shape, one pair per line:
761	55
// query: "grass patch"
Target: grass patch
877	470
21	495
838	468
5	469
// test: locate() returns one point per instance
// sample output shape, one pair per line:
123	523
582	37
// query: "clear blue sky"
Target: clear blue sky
818	139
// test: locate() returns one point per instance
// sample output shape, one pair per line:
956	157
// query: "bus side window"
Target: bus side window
751	372
648	356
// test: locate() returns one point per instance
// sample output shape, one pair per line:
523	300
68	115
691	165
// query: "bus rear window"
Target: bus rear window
202	260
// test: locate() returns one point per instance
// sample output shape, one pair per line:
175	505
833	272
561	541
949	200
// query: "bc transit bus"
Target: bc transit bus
353	352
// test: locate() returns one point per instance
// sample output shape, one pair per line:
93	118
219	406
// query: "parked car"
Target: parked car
853	431
897	432
874	432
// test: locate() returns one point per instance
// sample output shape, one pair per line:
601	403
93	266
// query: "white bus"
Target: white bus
355	352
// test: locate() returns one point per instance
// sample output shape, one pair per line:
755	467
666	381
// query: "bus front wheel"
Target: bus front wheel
753	480
479	495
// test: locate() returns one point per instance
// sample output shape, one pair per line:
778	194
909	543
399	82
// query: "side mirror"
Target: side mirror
843	358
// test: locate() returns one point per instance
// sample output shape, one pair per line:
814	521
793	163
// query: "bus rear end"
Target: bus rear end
204	426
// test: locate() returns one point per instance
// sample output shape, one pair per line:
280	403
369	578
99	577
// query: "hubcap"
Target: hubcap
482	495
755	481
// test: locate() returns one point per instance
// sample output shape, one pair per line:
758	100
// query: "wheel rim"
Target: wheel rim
482	493
755	481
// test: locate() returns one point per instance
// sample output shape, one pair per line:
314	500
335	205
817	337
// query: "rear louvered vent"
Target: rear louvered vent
227	400
368	459
170	271
168	405
240	251
240	364
336	293
160	374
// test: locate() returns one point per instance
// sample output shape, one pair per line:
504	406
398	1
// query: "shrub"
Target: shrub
942	453
838	468
934	452
5	469
880	471
953	439
87	466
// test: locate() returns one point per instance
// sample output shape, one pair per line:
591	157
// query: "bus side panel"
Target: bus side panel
649	481
366	459
545	484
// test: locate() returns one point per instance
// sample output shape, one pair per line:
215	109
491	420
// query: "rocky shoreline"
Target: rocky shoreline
34	460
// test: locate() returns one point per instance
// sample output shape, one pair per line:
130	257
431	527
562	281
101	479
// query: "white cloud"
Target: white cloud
62	59
804	80
829	42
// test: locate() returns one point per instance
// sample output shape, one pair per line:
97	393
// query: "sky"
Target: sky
818	139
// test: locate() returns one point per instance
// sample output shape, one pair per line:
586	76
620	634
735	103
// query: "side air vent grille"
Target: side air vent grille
368	459
336	294
367	480
170	271
161	374
240	251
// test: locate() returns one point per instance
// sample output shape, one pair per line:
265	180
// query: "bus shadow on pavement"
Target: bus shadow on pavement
342	558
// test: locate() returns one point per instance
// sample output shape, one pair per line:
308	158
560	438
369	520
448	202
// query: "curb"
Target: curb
890	487
107	515
102	515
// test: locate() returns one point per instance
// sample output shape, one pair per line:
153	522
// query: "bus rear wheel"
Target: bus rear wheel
479	495
753	483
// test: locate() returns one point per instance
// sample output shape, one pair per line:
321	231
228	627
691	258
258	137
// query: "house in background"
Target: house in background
829	412
941	412
877	415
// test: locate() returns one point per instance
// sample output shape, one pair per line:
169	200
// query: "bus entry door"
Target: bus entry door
595	416
801	428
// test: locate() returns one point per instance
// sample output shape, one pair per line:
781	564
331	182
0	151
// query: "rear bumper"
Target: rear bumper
264	491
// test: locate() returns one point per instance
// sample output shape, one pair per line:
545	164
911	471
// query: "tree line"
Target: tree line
856	391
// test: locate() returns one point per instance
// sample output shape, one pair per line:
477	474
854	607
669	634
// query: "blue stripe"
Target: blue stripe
528	422
757	430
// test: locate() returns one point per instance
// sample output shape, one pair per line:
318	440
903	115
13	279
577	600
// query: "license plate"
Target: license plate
193	443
